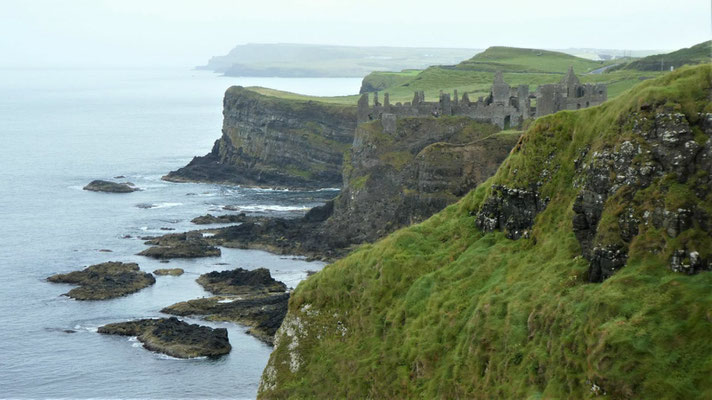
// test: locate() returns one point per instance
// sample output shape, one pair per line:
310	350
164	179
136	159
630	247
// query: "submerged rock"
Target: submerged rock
174	337
110	187
241	282
105	281
263	313
169	271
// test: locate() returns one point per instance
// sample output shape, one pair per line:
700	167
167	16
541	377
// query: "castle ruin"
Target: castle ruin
505	106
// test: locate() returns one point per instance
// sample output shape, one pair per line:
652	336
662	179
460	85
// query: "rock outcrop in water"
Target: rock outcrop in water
268	141
241	282
220	219
174	337
250	298
105	281
169	271
111	187
391	180
180	245
263	313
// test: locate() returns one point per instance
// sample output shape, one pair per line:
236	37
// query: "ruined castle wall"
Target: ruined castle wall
547	100
505	106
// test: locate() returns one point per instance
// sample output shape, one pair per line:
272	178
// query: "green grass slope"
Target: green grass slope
512	59
697	54
531	67
443	310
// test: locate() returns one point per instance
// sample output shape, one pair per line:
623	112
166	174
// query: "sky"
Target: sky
182	33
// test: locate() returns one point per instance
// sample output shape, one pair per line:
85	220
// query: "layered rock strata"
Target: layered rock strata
273	142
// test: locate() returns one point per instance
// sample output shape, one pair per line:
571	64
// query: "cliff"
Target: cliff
269	141
580	269
392	180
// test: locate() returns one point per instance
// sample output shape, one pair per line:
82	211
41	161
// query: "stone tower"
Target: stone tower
500	89
570	82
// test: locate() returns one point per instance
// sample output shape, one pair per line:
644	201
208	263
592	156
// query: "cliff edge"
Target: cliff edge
390	180
269	141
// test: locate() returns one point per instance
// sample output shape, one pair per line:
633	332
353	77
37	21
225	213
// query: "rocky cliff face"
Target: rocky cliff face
657	173
390	181
394	180
580	269
274	142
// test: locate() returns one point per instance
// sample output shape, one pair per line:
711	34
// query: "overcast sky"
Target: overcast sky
186	33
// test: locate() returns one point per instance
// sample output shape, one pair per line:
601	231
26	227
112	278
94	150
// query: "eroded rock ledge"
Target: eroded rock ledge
663	152
241	282
251	298
105	281
510	210
174	337
658	176
263	313
180	245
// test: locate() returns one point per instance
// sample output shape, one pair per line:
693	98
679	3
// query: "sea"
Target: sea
61	129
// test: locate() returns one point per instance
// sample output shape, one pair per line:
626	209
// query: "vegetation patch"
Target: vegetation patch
443	310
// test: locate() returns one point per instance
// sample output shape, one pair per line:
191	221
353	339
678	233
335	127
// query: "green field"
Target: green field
512	59
520	67
697	54
343	100
474	76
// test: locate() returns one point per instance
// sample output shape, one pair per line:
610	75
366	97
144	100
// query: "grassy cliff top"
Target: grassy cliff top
513	59
284	97
531	67
443	310
281	94
697	54
521	66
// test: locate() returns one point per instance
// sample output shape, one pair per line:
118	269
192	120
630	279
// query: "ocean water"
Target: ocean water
60	129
